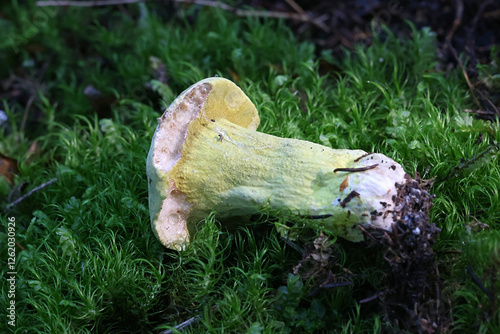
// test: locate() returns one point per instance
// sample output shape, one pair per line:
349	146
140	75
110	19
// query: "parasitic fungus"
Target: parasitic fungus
206	155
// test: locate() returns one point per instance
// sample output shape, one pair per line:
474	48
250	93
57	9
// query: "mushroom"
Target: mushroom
206	155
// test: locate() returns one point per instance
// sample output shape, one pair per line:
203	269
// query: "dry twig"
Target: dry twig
181	326
85	3
456	22
479	284
29	193
470	49
466	76
484	113
300	16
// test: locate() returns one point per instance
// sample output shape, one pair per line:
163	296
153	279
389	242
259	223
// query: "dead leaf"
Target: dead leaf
8	168
234	75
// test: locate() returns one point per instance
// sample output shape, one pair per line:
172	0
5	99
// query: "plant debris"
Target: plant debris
318	258
8	168
411	297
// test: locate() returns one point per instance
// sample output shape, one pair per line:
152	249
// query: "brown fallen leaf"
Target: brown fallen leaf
8	168
233	75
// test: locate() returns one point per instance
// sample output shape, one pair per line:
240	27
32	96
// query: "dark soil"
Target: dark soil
411	300
469	27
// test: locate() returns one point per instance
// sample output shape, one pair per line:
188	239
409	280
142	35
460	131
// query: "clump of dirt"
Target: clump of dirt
411	298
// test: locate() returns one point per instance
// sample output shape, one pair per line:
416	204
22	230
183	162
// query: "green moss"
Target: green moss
90	261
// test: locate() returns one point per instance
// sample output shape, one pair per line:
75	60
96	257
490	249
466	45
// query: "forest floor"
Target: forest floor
81	88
